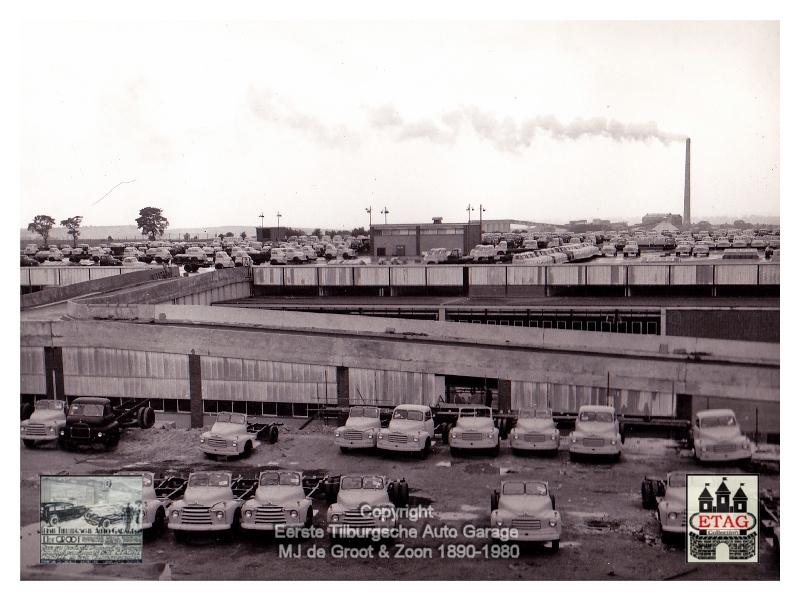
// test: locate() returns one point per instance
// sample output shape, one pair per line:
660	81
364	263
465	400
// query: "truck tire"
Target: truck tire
648	498
495	501
218	266
423	454
446	433
26	410
309	518
331	492
554	545
248	449
402	492
29	443
112	440
496	450
146	417
273	434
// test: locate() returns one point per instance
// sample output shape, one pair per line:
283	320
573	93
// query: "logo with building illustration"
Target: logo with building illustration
723	527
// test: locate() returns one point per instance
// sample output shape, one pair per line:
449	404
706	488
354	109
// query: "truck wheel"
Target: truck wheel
273	434
648	501
248	449
454	452
112	440
344	449
159	521
218	266
496	450
26	410
29	443
446	433
146	417
53	521
495	501
554	545
402	492
423	454
309	518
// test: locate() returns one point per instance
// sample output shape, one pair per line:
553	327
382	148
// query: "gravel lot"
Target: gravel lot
607	535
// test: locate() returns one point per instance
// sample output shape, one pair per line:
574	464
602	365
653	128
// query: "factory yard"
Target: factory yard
607	535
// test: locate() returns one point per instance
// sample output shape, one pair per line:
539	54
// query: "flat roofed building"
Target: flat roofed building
414	239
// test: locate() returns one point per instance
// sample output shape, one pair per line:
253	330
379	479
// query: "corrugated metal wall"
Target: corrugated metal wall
336	275
232	291
31	371
405	276
736	274
66	275
606	275
489	275
648	275
125	373
373	276
388	388
268	275
566	275
526	275
445	275
569	398
745	325
299	276
769	274
266	381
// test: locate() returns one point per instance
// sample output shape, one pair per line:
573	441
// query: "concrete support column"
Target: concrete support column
54	372
503	395
195	391
342	392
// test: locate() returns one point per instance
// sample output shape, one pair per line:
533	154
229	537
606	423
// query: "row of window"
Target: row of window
642	327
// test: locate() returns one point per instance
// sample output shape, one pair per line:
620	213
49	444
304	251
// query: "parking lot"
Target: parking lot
607	535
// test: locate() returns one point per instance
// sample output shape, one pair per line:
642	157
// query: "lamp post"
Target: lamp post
205	235
262	219
369	210
469	213
480	215
279	225
384	212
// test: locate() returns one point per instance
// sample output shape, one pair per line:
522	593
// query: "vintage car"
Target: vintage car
222	260
410	430
279	503
54	513
716	437
28	261
132	261
105	515
232	435
535	430
360	430
597	432
631	249
530	509
364	506
672	507
45	424
474	430
212	502
701	250
157	498
608	249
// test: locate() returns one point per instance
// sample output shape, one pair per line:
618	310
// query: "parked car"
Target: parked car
597	432
132	261
27	261
631	249
360	430
535	430
223	261
529	509
701	250
109	261
277	256
30	249
683	250
279	503
717	437
54	513
474	430
105	515
410	430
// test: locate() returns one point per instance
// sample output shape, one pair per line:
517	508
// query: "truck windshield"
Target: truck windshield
722	421
475	412
600	417
358	483
87	410
402	414
50	405
209	480
677	480
226	417
279	479
364	411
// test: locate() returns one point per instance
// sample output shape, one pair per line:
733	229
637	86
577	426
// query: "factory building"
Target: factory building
414	239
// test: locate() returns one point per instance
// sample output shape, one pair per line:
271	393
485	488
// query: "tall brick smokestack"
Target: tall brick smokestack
687	187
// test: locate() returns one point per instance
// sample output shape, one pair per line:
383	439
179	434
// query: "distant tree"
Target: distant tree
152	222
110	239
317	232
243	235
186	237
229	234
195	238
221	236
41	225
73	225
359	231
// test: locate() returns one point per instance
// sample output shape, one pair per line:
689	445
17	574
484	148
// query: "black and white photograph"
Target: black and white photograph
443	298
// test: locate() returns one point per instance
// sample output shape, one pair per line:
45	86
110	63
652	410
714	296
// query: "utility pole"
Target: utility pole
469	213
262	219
480	215
384	212
279	225
369	210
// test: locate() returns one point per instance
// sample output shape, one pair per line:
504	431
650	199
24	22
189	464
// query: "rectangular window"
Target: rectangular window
184	406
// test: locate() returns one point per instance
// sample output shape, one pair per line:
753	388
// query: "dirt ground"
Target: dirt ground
607	535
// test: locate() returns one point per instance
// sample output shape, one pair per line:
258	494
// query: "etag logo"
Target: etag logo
723	526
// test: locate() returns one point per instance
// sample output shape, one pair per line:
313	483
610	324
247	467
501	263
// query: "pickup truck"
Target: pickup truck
364	506
410	430
716	437
192	260
360	430
157	498
535	430
668	498
528	509
96	421
45	424
280	502
474	430
212	502
597	432
232	435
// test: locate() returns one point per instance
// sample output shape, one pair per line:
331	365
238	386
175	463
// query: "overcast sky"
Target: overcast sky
215	122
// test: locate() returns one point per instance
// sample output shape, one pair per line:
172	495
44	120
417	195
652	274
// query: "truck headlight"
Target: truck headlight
490	434
416	439
552	436
573	440
499	522
293	513
380	436
234	444
370	436
672	516
453	434
337	434
745	445
61	432
516	436
553	522
613	442
703	448
248	513
220	515
99	434
175	514
52	429
202	440
334	518
22	428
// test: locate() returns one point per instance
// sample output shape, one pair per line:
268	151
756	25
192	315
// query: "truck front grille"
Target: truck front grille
80	432
269	514
35	429
471	436
352	435
725	448
593	442
534	437
217	443
356	519
398	438
528	523
196	515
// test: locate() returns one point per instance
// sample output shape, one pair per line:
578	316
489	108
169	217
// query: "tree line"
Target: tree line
150	220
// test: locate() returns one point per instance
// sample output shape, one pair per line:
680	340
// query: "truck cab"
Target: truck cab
435	256
717	437
229	436
360	430
474	430
672	507
89	421
364	506
529	509
45	424
535	430
223	261
410	430
279	503
597	431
